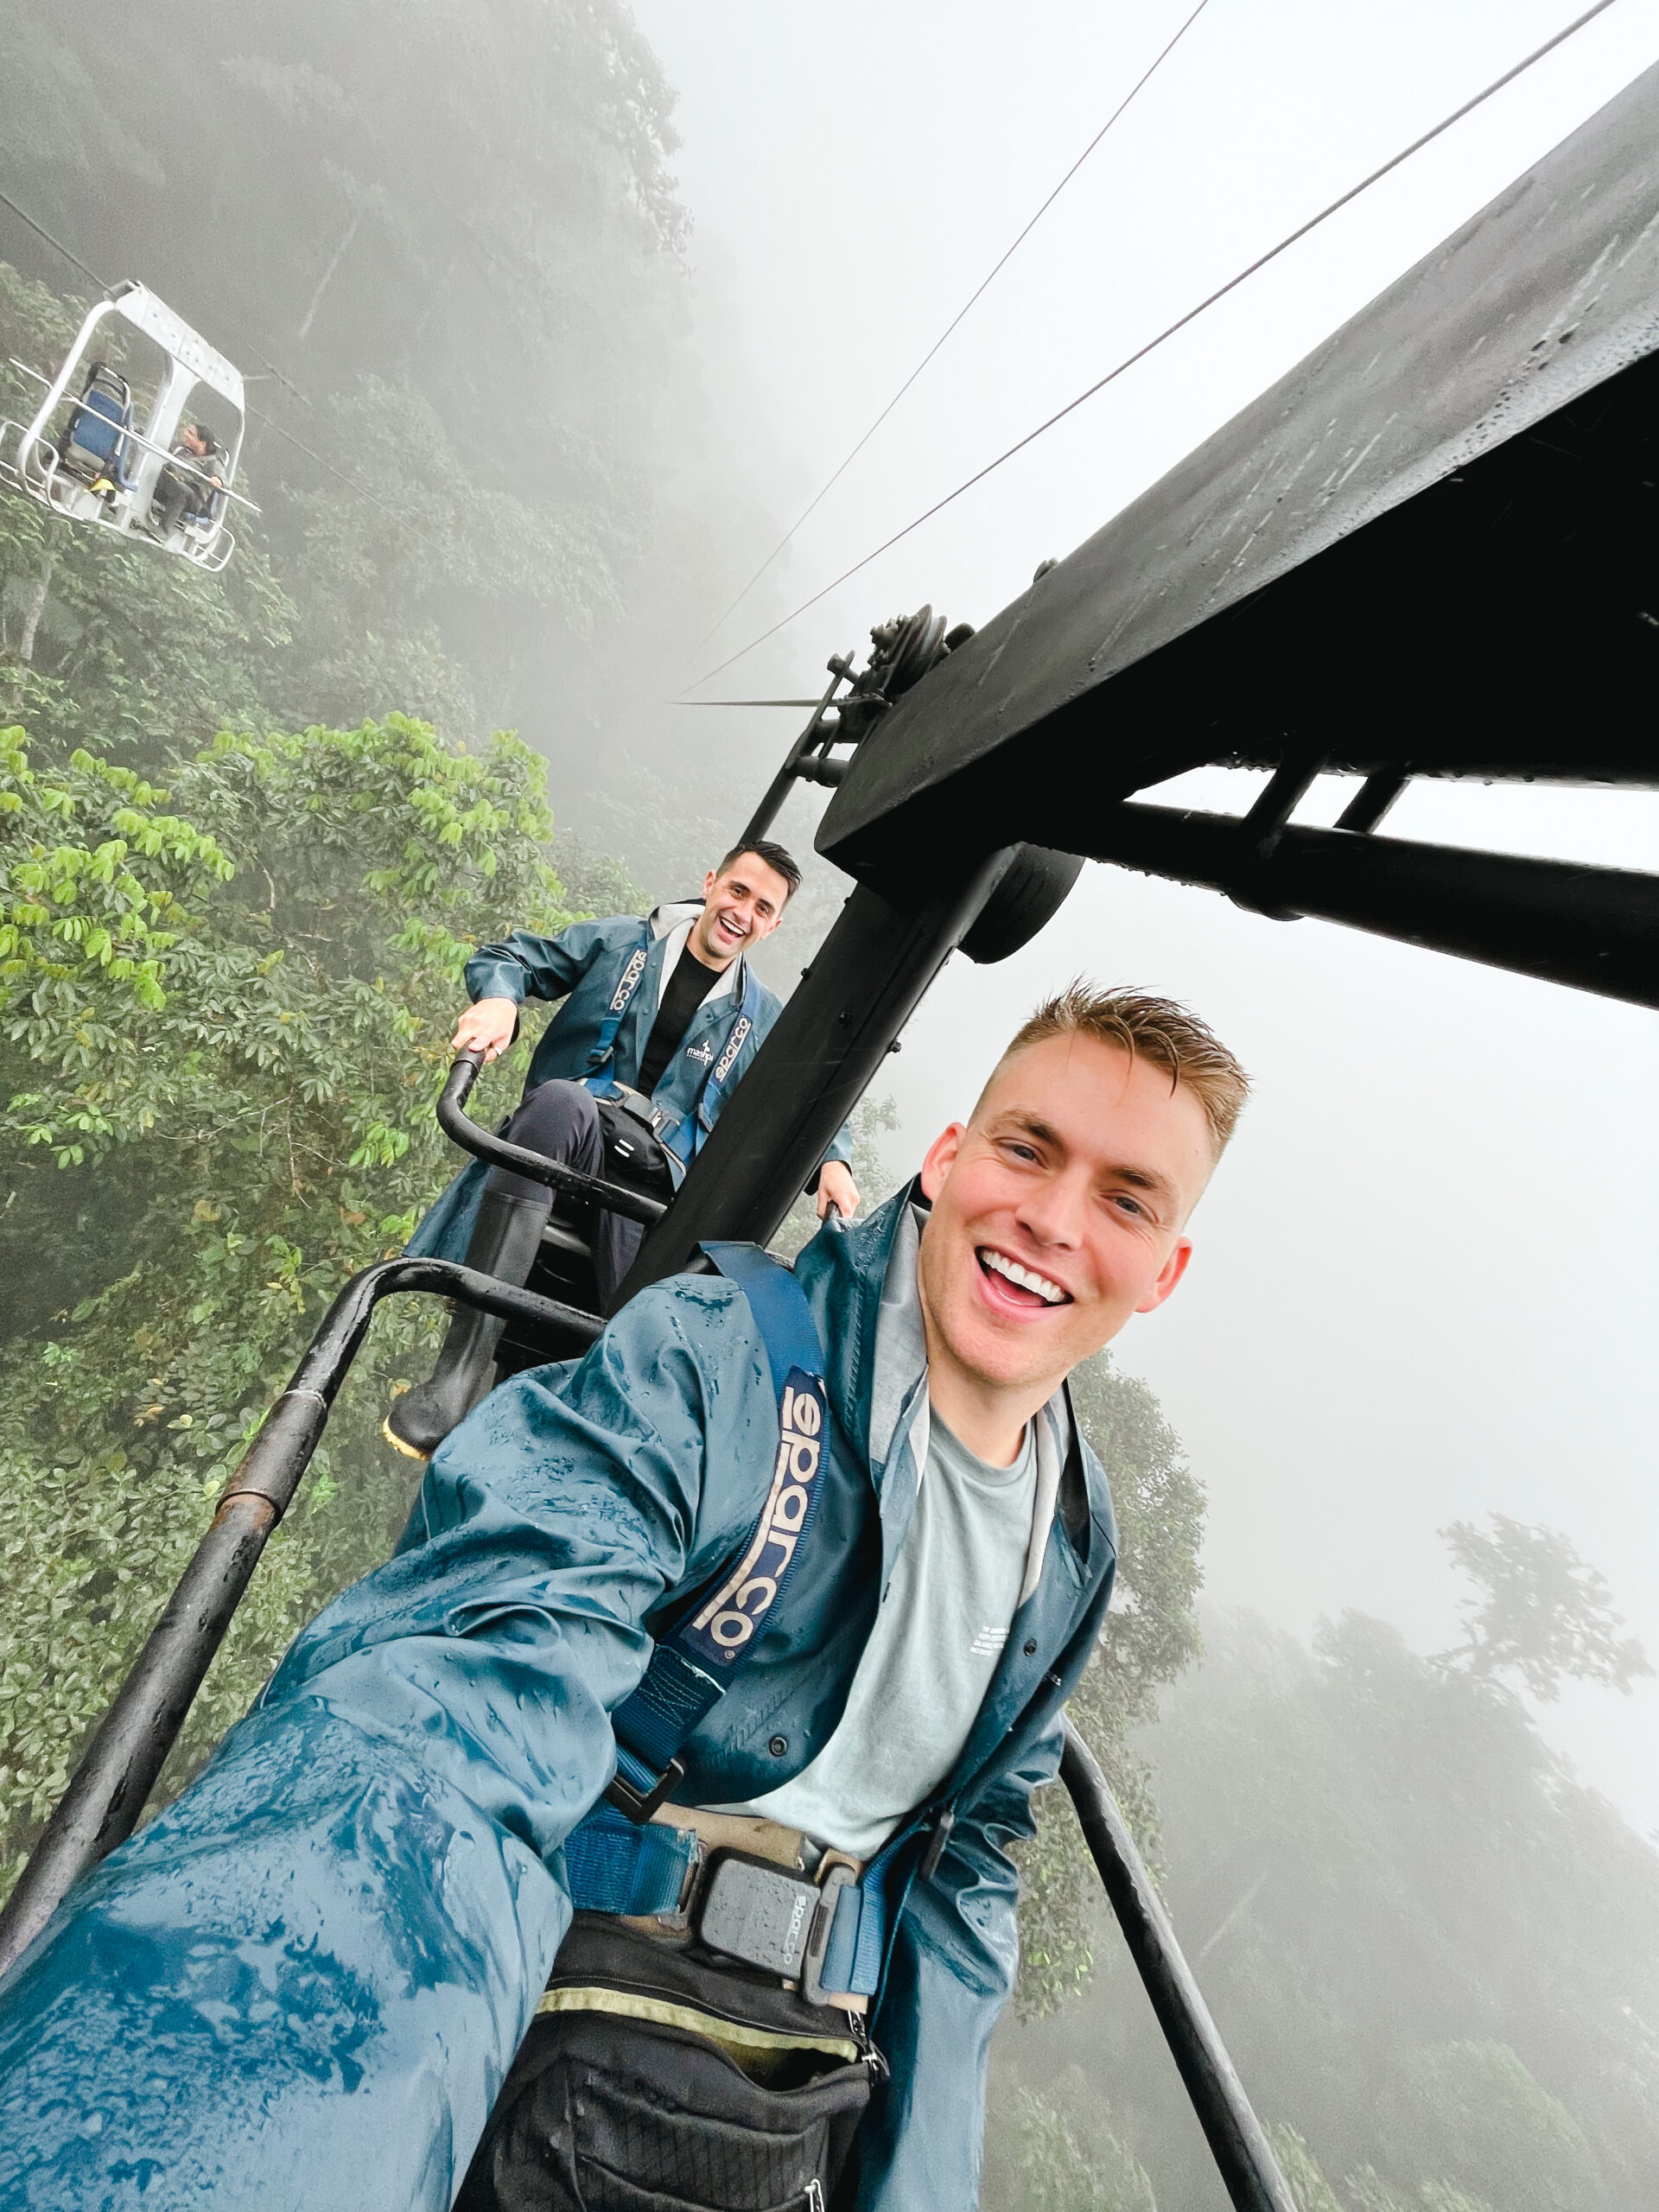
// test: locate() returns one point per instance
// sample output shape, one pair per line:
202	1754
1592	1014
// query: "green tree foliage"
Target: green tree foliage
469	298
1366	2190
501	173
1472	2111
437	586
1301	2170
227	1013
1542	1615
1151	1636
1370	1858
1057	2152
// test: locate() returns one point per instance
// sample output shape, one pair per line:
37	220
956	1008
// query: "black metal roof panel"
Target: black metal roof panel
1401	428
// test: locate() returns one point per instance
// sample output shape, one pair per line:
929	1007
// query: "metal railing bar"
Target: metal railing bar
117	1771
461	1128
1237	2141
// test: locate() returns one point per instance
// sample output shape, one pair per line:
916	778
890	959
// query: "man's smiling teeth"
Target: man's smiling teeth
1027	1277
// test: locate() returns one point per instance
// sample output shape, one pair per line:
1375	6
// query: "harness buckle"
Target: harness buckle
756	1912
832	1881
640	1804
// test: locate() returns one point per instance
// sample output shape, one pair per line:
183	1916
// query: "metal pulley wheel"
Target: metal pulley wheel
917	643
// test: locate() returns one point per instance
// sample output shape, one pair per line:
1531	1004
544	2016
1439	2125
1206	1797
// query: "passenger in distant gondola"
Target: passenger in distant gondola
662	1016
183	495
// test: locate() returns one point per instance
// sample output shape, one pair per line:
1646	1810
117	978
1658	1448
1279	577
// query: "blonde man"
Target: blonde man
639	1833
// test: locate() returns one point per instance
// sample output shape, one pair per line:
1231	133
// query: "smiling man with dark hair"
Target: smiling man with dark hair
639	1833
662	1016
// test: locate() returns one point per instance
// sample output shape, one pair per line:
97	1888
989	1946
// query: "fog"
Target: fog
523	438
1422	1288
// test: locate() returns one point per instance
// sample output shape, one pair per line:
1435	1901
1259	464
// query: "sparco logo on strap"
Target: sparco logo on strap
728	1619
631	975
740	1029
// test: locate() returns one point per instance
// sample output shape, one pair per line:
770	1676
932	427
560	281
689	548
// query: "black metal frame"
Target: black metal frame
119	1769
1595	928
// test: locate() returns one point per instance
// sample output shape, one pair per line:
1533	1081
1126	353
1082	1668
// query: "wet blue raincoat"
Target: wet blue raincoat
587	966
298	1988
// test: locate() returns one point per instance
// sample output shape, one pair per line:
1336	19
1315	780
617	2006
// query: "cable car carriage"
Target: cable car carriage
96	453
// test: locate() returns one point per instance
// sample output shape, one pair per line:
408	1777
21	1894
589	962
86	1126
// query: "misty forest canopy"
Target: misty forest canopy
236	910
249	827
1430	1950
469	295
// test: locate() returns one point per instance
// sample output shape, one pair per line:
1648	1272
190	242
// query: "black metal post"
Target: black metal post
863	985
767	813
1237	2141
117	1771
1596	928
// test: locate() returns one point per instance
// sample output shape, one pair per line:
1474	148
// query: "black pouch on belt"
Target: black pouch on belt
656	2079
633	1152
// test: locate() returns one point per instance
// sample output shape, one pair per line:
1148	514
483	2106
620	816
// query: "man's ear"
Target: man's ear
1174	1269
941	1158
708	883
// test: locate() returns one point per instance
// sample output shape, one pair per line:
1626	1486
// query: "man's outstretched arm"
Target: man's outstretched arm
500	977
301	1984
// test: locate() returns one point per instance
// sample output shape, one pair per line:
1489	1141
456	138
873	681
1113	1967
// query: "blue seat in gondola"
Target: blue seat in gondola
96	443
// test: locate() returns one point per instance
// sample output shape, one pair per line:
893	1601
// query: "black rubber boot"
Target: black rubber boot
504	1243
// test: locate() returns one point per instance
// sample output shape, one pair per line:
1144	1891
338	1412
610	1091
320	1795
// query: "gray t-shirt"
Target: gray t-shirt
935	1646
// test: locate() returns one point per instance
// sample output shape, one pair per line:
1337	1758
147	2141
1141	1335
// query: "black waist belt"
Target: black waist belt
650	2075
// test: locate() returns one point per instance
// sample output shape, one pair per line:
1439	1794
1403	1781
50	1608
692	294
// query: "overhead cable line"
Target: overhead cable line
259	415
57	245
361	489
1180	323
983	287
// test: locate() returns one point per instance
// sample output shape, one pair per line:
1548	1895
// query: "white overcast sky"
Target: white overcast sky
1424	1286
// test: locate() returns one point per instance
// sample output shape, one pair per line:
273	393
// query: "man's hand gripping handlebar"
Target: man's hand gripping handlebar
488	1027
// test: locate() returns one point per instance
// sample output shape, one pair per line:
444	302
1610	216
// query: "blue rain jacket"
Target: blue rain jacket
585	965
298	1988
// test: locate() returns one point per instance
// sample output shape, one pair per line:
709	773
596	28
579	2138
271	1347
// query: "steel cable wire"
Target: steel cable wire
1180	323
984	285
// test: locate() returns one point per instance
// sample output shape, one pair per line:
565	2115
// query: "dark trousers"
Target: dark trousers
560	1121
170	500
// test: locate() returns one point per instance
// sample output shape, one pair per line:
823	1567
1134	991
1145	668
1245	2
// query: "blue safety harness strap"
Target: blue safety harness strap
612	1864
682	1140
617	1863
610	1855
621	998
781	1313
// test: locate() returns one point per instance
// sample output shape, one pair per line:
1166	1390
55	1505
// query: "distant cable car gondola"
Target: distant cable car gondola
94	454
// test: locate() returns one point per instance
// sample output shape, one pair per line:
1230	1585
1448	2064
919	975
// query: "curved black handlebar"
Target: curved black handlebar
461	1128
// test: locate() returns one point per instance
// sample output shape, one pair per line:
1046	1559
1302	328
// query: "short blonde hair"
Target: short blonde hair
1148	1028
